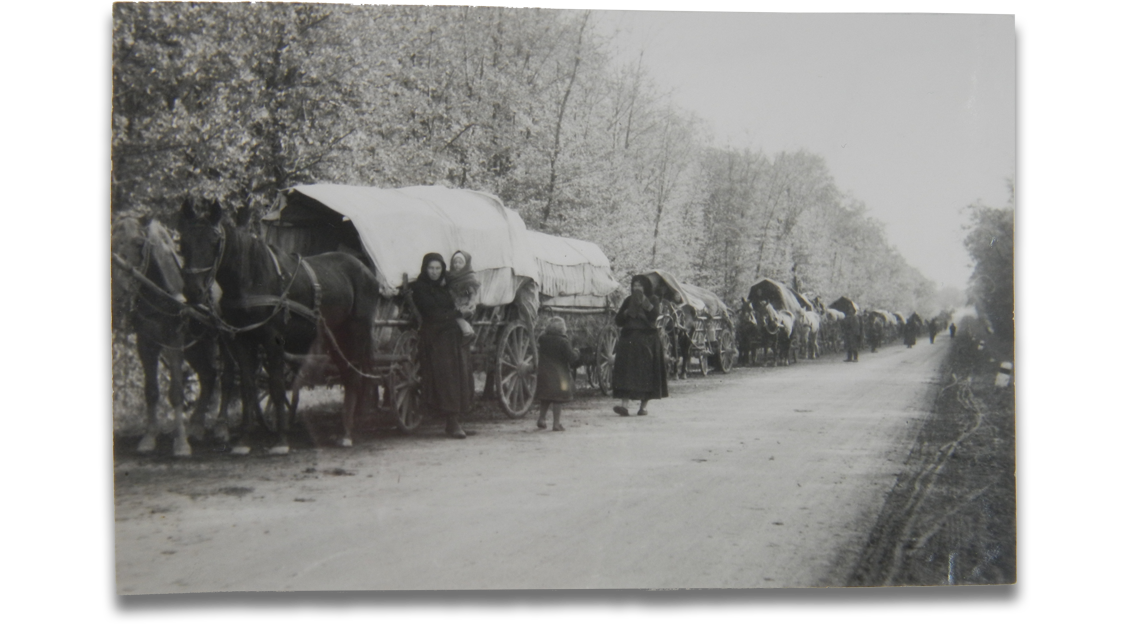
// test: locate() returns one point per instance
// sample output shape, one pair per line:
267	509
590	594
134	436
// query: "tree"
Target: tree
990	242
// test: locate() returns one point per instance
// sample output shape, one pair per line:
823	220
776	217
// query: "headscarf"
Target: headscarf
425	277
646	284
645	281
463	281
556	325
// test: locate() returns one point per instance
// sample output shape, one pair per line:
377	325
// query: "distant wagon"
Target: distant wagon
695	324
577	283
391	230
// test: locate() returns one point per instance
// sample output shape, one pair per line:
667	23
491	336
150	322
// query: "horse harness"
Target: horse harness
283	304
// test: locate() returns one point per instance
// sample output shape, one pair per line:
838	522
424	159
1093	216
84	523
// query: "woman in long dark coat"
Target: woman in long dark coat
853	337
447	379
639	372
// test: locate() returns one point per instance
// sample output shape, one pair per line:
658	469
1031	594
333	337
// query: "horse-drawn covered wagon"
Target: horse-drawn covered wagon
879	328
391	230
694	324
783	317
576	283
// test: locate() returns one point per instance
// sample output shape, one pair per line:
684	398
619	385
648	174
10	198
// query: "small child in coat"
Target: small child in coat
555	384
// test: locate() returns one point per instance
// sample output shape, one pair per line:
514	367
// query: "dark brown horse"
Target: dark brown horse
152	307
748	335
279	304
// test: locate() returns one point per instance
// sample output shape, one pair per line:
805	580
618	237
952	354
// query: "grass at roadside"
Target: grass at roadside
951	517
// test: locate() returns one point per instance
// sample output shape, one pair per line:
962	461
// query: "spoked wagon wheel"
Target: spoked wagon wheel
728	351
603	367
517	366
404	383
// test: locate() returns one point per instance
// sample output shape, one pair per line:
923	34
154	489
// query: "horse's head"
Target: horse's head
202	242
768	317
164	264
746	314
127	241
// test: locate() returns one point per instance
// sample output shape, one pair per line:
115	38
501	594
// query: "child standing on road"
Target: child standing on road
554	385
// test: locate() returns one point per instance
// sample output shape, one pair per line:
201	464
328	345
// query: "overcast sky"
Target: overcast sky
915	114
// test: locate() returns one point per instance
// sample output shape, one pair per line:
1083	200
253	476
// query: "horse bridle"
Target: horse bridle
213	269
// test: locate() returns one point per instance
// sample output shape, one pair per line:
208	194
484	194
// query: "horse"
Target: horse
830	329
777	331
747	334
809	337
281	305
673	322
155	312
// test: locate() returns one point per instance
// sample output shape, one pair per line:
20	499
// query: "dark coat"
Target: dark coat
910	334
853	332
447	378
555	382
639	372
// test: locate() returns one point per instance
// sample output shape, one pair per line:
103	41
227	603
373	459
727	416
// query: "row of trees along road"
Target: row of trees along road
991	244
236	101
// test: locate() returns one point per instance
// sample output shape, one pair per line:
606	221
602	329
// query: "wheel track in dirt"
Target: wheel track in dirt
896	536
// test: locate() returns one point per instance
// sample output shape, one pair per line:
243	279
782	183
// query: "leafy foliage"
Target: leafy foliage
990	242
236	101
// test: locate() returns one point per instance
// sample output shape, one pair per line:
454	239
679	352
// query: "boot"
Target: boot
453	428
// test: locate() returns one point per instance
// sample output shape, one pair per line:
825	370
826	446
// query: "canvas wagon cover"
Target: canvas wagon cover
845	305
667	286
780	296
713	305
571	271
887	317
397	227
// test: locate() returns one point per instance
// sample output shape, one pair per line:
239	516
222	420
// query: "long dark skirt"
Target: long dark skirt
639	372
447	378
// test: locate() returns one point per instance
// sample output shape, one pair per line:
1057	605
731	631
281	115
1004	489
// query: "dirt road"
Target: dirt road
767	477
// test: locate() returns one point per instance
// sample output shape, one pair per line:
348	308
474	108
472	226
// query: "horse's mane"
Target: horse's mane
162	253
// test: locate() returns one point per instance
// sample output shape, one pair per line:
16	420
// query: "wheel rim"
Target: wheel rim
727	351
517	370
607	342
405	384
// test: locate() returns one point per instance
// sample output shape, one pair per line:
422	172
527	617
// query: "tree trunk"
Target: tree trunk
557	147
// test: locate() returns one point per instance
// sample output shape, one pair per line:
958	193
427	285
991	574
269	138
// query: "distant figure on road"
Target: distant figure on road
853	337
952	330
555	382
639	372
932	326
910	333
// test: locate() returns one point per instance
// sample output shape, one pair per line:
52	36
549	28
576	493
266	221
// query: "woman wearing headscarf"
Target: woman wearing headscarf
447	379
639	372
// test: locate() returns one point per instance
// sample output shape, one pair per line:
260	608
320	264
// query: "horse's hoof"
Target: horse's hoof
147	445
279	450
345	442
181	449
240	450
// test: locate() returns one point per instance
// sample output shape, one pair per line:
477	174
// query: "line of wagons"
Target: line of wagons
524	276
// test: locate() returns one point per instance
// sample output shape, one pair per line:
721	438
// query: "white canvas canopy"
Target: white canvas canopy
696	297
572	272
397	227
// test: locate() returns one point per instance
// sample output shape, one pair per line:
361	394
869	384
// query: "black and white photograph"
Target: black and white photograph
486	298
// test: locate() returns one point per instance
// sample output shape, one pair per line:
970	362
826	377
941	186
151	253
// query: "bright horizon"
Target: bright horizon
914	114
